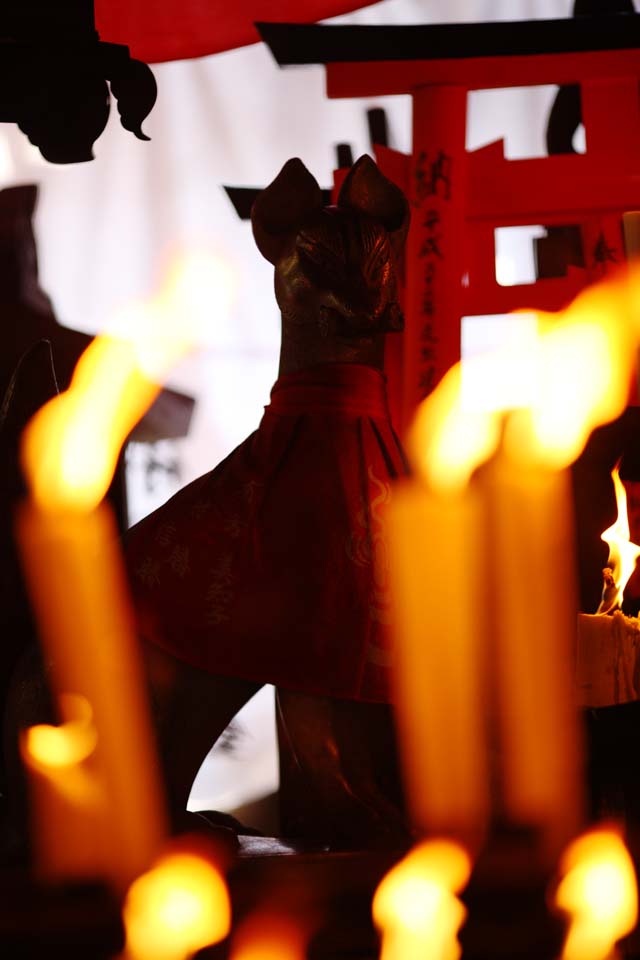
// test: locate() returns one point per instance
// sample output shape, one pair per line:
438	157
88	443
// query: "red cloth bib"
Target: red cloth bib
273	567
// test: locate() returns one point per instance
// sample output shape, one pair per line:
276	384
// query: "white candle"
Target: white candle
607	659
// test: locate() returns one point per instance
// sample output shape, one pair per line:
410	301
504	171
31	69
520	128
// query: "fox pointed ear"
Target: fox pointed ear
368	191
282	206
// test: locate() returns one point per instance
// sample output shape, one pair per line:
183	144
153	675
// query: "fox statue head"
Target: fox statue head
335	266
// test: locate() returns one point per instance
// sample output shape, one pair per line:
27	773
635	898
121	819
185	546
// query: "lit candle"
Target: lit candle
434	555
608	653
78	590
435	534
531	611
416	907
493	629
178	906
598	890
76	579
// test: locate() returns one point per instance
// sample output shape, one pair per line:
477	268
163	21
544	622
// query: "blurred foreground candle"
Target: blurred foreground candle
485	639
78	590
177	907
435	552
75	575
529	586
63	783
415	906
598	890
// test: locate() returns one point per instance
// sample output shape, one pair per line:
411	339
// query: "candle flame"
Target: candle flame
622	553
416	907
572	376
175	909
65	745
598	890
71	446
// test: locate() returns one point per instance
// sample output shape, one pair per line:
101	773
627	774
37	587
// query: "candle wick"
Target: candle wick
609	600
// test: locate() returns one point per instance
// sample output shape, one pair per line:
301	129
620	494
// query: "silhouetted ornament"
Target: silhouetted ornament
134	87
56	77
65	120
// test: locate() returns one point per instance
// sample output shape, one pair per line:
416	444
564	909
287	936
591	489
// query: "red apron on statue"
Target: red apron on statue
273	567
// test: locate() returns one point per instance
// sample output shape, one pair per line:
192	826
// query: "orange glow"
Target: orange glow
416	907
451	435
202	286
68	806
176	908
622	553
269	936
598	890
71	446
67	744
584	373
572	378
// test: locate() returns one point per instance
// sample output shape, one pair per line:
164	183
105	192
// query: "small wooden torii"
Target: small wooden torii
460	197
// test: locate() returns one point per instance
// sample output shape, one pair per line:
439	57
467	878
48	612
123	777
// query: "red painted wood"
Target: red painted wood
477	73
435	260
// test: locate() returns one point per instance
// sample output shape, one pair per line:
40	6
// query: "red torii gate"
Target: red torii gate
460	197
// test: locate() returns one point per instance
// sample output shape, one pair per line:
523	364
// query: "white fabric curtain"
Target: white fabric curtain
107	229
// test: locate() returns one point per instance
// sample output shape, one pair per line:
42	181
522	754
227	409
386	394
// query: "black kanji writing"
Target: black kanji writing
433	176
428	300
431	247
431	220
427	333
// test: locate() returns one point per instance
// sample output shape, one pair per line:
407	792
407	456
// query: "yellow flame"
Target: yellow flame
584	373
598	890
574	376
67	744
449	436
622	553
269	936
175	909
71	446
416	907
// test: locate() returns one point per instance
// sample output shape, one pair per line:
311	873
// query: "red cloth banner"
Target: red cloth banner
182	29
